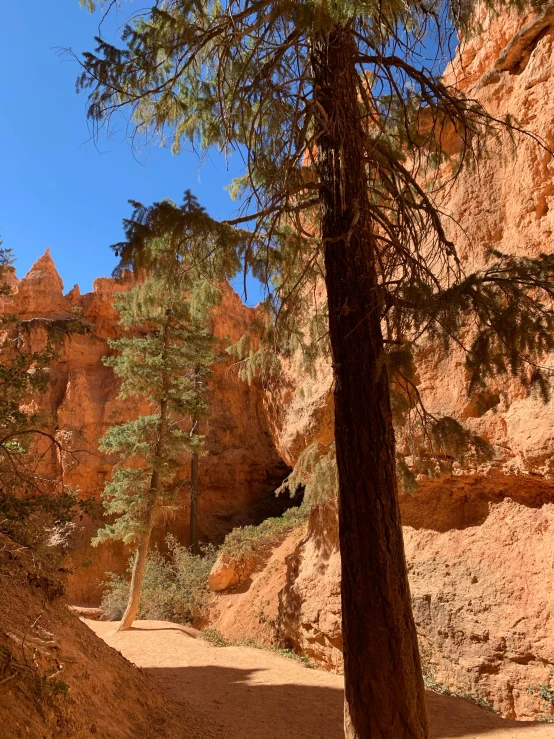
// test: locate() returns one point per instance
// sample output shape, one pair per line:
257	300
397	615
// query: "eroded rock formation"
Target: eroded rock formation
238	473
479	546
481	562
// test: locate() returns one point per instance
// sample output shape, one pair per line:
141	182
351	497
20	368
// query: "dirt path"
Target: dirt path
253	694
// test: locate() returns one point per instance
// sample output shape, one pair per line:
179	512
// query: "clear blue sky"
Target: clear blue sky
58	188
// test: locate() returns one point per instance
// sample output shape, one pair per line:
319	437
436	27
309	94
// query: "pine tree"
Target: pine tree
165	359
338	119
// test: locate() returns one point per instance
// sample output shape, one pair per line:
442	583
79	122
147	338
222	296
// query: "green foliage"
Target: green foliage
174	588
431	446
181	243
166	360
215	637
249	541
406	479
316	473
57	687
431	683
546	693
506	309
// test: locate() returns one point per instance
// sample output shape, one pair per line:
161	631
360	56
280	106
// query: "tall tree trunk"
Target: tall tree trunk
384	692
194	503
193	528
138	573
142	551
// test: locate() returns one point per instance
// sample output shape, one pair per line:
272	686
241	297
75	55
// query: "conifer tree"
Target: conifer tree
165	360
338	118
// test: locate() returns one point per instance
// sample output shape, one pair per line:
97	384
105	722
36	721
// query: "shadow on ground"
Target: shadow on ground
231	699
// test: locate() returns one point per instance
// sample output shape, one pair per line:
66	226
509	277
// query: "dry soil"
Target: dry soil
247	693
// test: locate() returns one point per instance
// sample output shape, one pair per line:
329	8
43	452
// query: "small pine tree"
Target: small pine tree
166	359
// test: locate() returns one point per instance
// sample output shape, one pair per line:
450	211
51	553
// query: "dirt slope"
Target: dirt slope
59	681
255	694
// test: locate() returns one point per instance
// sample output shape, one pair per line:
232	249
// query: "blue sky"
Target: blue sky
58	188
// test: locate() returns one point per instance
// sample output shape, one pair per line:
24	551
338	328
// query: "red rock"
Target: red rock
238	474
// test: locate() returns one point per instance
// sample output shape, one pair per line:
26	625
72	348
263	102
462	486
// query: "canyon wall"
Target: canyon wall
241	467
505	200
478	544
481	569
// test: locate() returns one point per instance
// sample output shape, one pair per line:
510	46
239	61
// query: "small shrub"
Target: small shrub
174	588
546	693
58	687
215	637
431	683
248	541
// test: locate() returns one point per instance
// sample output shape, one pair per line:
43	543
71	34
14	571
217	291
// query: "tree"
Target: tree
165	360
340	122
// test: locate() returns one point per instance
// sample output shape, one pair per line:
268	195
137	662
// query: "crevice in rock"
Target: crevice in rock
515	56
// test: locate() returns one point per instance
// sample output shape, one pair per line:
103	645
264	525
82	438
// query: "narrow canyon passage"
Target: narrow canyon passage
246	693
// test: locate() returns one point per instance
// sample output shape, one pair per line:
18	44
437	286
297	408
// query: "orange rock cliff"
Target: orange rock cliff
478	546
238	474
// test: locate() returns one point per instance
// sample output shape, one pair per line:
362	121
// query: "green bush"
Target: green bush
215	637
174	587
248	541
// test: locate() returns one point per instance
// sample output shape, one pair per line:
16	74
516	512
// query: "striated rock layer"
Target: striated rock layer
241	468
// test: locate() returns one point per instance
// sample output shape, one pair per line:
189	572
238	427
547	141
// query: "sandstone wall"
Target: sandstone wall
241	468
481	568
479	547
505	201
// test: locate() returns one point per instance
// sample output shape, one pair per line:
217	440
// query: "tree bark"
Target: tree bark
194	504
138	573
193	529
384	692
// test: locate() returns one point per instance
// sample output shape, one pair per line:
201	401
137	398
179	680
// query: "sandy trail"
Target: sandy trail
245	693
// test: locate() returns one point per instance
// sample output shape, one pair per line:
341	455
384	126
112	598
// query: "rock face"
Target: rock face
227	573
309	603
506	201
483	603
241	468
60	679
481	564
